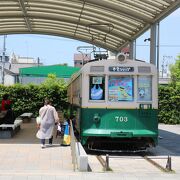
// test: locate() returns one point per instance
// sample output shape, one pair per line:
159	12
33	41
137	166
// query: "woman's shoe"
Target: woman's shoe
43	146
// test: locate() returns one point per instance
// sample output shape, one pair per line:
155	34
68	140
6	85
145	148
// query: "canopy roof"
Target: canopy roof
109	24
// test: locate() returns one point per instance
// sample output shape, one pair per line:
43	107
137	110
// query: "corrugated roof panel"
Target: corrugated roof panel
75	18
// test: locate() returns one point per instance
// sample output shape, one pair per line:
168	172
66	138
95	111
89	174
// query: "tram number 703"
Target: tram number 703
121	119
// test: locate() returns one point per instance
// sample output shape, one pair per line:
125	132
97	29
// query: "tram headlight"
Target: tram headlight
96	118
121	57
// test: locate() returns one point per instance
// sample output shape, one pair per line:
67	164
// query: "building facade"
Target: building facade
38	74
9	69
81	59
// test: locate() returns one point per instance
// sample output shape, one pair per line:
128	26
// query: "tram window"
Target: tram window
97	88
144	88
120	88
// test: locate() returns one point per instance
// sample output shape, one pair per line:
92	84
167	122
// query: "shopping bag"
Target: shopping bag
66	137
59	130
66	140
59	127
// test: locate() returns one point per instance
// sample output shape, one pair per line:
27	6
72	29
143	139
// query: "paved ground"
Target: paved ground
23	155
170	138
22	158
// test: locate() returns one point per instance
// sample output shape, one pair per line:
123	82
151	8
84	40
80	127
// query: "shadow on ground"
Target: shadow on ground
168	145
27	135
170	141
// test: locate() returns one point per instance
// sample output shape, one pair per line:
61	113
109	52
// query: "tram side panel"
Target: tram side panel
74	98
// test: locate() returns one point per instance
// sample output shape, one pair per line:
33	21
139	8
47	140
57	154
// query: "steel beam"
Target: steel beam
26	18
132	50
153	44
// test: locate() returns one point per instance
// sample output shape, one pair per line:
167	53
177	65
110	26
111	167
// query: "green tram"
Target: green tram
116	104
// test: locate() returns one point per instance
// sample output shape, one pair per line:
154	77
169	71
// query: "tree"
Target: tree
56	90
52	80
175	72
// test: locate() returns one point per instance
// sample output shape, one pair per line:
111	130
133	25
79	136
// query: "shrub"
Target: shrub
29	98
169	104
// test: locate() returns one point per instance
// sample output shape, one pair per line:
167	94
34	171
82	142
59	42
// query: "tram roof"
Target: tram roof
109	24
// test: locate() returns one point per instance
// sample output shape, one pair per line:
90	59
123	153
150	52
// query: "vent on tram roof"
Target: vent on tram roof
97	69
144	69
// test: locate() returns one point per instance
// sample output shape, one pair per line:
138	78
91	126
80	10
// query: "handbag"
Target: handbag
38	120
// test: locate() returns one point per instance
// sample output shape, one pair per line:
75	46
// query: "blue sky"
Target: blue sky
55	50
169	40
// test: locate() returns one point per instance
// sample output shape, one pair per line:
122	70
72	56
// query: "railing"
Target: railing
73	146
168	167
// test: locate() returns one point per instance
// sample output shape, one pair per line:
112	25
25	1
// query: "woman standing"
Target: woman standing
49	117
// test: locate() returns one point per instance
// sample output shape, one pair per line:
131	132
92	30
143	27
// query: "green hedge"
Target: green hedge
169	104
29	98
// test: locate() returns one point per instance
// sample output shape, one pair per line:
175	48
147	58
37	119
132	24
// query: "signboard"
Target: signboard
121	69
120	88
144	88
97	80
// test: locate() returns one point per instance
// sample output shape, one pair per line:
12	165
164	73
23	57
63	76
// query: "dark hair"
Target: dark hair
47	101
72	116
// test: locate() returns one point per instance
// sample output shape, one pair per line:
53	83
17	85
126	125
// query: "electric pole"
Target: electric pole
165	62
3	59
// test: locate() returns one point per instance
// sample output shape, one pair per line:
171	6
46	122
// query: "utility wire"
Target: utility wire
165	45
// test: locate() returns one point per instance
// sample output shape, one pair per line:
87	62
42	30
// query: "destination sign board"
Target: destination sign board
121	69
